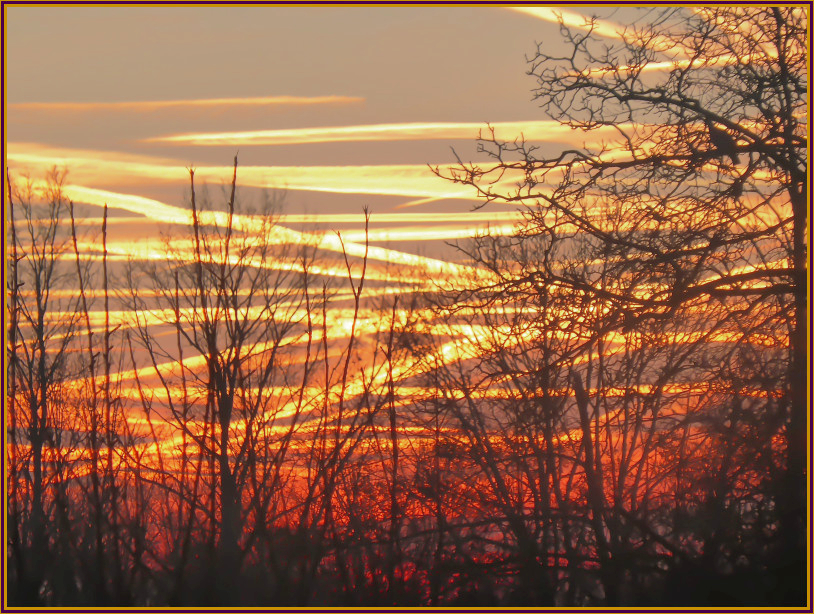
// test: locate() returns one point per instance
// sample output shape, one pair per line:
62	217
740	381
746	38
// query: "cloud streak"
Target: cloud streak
434	233
601	27
573	20
400	218
104	167
162	212
533	130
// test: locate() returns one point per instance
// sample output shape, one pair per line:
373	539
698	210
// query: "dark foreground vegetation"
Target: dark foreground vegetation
607	408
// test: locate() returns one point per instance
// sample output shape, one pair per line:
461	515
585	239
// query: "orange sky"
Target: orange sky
340	107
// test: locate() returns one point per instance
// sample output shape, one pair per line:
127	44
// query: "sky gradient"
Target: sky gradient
344	107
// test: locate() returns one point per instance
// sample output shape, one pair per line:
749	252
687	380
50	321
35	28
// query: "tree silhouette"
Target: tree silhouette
723	143
610	410
42	326
712	254
229	304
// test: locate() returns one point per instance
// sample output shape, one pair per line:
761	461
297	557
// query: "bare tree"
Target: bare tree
42	325
691	241
233	297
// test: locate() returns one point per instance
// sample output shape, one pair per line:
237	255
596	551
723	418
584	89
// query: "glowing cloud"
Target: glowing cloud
95	167
606	29
545	130
572	20
435	233
401	218
663	44
162	212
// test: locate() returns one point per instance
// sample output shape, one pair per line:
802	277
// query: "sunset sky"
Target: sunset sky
335	108
403	363
340	107
343	106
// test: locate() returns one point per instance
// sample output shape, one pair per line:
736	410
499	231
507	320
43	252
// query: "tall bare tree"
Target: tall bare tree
42	326
693	206
233	297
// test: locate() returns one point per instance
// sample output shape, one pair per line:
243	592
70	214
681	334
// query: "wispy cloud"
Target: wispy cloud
433	233
600	27
572	20
106	167
545	130
153	105
401	218
162	212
